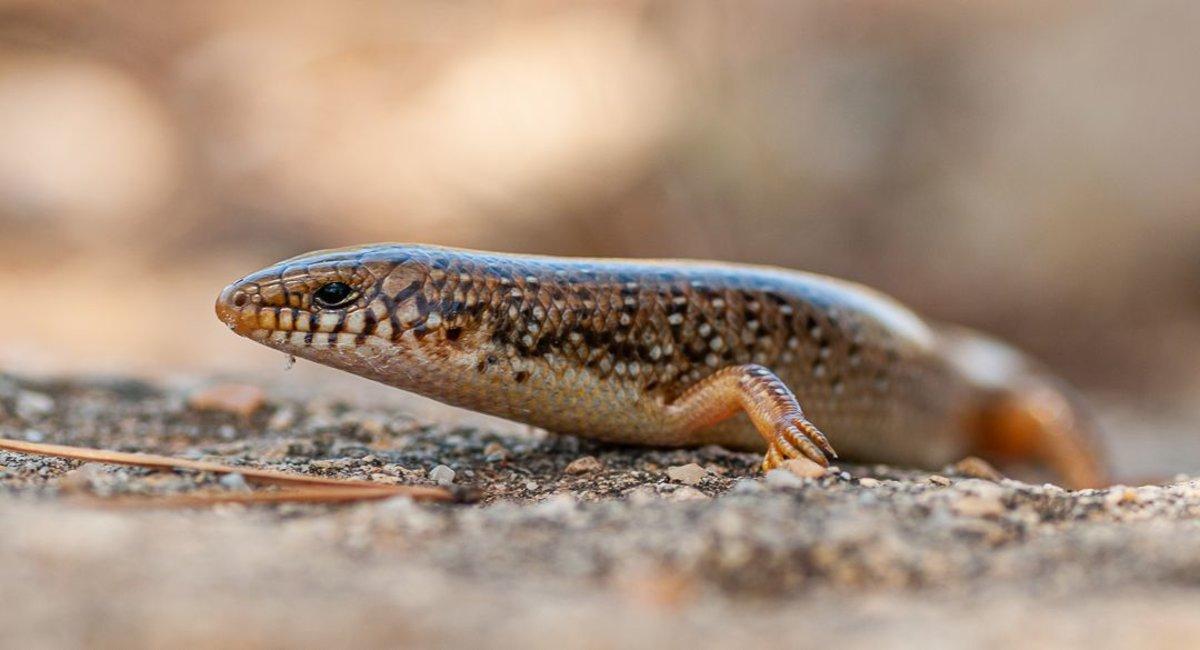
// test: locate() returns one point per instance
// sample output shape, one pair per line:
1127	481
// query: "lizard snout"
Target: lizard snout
232	309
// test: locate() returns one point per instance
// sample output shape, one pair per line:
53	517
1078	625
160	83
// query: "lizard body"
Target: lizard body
667	352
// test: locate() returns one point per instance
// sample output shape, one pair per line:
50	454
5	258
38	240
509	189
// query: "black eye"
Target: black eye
334	294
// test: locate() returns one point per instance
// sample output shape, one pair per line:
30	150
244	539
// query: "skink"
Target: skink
669	353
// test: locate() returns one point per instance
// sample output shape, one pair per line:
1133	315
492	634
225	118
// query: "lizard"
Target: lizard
671	353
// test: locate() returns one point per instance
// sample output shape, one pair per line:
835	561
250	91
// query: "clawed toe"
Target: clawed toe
772	460
800	442
797	437
814	434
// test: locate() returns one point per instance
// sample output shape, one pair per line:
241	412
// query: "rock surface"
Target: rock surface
550	556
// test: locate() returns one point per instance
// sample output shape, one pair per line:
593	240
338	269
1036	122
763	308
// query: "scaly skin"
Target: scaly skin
665	352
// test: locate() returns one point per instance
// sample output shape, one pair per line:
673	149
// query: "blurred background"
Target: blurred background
1028	168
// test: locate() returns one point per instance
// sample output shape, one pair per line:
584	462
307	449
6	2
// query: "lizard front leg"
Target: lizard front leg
771	406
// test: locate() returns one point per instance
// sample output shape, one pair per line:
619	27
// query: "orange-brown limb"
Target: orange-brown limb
772	408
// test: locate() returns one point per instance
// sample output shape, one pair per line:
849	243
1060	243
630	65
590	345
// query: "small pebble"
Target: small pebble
868	482
556	505
81	479
689	474
1149	493
584	465
31	405
495	452
980	488
687	493
1119	495
442	475
746	486
938	479
239	399
374	427
977	506
975	467
642	495
281	419
782	478
234	481
804	468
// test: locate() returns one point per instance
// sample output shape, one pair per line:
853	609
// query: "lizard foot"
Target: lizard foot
771	406
793	437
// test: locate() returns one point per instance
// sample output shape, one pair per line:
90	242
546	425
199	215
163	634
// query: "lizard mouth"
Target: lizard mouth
237	310
230	307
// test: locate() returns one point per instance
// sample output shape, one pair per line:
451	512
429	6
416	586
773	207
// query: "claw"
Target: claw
817	437
814	454
772	459
787	445
800	441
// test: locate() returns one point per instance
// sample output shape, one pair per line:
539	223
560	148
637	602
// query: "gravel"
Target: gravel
442	475
235	482
689	474
683	548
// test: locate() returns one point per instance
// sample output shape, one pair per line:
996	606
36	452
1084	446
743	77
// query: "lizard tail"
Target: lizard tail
1024	414
1040	422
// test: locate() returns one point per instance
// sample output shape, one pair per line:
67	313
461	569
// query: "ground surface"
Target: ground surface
570	544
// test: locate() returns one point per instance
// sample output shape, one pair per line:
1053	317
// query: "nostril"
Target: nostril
239	300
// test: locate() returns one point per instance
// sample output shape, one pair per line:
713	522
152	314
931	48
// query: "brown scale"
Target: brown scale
666	353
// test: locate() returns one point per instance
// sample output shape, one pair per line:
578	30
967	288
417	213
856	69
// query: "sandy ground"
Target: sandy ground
568	544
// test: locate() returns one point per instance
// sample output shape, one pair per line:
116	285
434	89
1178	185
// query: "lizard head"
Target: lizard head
349	308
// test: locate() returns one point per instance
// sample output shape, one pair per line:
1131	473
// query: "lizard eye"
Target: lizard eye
334	294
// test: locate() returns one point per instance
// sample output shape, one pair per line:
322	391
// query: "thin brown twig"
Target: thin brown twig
204	499
311	489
